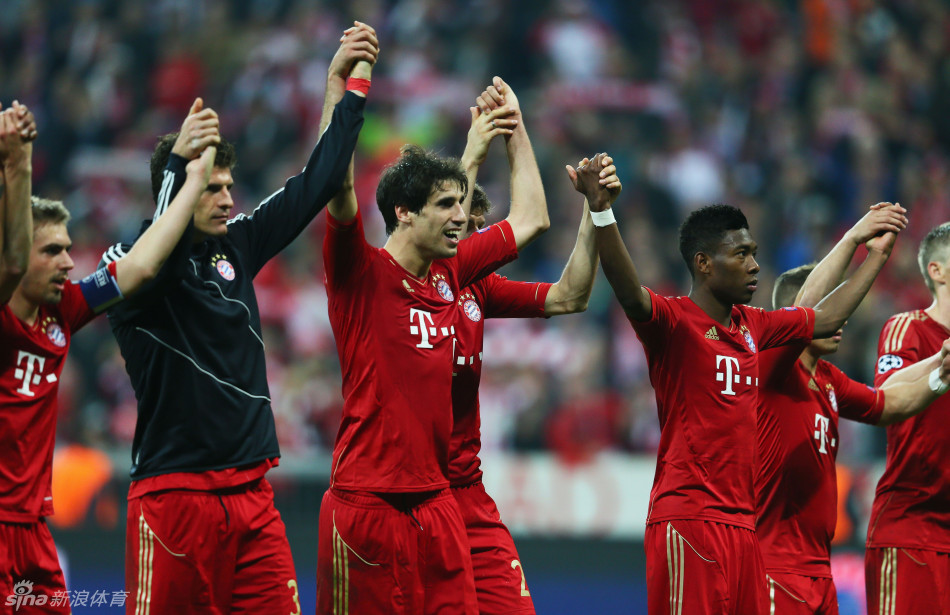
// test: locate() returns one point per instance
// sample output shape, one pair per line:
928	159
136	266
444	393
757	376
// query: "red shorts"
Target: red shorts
795	594
393	554
222	551
499	578
902	581
31	580
703	567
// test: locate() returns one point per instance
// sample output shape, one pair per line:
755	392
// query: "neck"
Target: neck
716	309
809	360
407	255
24	309
939	310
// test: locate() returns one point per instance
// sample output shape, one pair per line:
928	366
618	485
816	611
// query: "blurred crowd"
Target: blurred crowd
800	112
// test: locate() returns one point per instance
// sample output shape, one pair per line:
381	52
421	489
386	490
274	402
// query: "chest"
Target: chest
32	357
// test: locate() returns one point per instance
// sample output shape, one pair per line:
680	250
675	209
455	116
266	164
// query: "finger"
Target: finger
483	104
496	95
196	106
571	174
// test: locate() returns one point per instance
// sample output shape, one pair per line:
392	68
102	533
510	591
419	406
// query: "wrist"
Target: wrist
603	217
937	385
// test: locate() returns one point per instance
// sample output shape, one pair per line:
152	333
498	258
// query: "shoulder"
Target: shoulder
900	329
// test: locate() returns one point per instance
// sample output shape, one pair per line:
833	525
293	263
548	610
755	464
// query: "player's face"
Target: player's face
476	221
439	224
734	269
50	263
214	205
827	345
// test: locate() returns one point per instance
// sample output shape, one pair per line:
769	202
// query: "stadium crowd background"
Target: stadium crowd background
802	113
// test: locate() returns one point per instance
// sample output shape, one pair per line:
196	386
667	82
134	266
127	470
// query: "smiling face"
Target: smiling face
214	205
733	269
50	263
437	228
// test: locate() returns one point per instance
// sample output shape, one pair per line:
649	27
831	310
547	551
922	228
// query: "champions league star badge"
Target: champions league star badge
441	285
56	335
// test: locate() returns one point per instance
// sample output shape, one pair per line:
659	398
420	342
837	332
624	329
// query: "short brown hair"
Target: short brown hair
48	211
224	158
934	247
788	284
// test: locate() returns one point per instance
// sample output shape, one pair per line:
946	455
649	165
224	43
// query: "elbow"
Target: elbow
576	306
15	268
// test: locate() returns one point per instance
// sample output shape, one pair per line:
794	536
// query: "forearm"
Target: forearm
571	293
343	207
470	166
17	216
529	209
152	249
908	392
834	309
827	274
621	273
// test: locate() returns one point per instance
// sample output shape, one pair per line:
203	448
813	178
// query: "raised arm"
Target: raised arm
152	249
528	215
614	258
17	131
571	293
911	390
882	217
834	309
485	127
355	58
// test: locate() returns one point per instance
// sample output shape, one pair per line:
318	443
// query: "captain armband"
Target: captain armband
101	289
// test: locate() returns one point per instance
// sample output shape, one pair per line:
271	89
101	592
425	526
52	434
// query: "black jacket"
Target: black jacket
191	338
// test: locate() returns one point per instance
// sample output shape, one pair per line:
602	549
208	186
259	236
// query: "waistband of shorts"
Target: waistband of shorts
399	501
474	483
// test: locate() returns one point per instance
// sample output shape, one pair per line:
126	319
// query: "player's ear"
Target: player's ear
402	214
702	263
935	271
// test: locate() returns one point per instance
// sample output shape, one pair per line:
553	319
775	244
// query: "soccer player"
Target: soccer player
702	350
500	581
907	560
800	401
391	536
203	534
40	309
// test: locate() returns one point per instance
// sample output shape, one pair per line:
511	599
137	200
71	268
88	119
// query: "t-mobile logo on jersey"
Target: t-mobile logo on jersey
421	324
822	423
30	372
730	375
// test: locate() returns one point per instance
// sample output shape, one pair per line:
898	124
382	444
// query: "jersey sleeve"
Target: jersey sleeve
785	325
283	215
898	347
484	252
654	332
345	251
856	400
74	307
101	289
504	298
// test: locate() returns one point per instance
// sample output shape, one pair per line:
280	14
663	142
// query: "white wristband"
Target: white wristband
603	218
937	385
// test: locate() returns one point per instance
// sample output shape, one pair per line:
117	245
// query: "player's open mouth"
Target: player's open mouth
453	236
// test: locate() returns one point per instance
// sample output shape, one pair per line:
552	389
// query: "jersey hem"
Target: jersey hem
723	520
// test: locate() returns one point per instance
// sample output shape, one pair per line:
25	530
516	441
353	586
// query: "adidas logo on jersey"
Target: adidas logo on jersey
711	334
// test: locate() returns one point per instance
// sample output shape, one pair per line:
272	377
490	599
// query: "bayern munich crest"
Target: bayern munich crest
225	269
471	309
748	339
55	334
445	291
833	399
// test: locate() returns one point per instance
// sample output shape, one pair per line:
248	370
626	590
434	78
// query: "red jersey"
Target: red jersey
395	336
796	484
912	503
492	297
31	361
706	380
